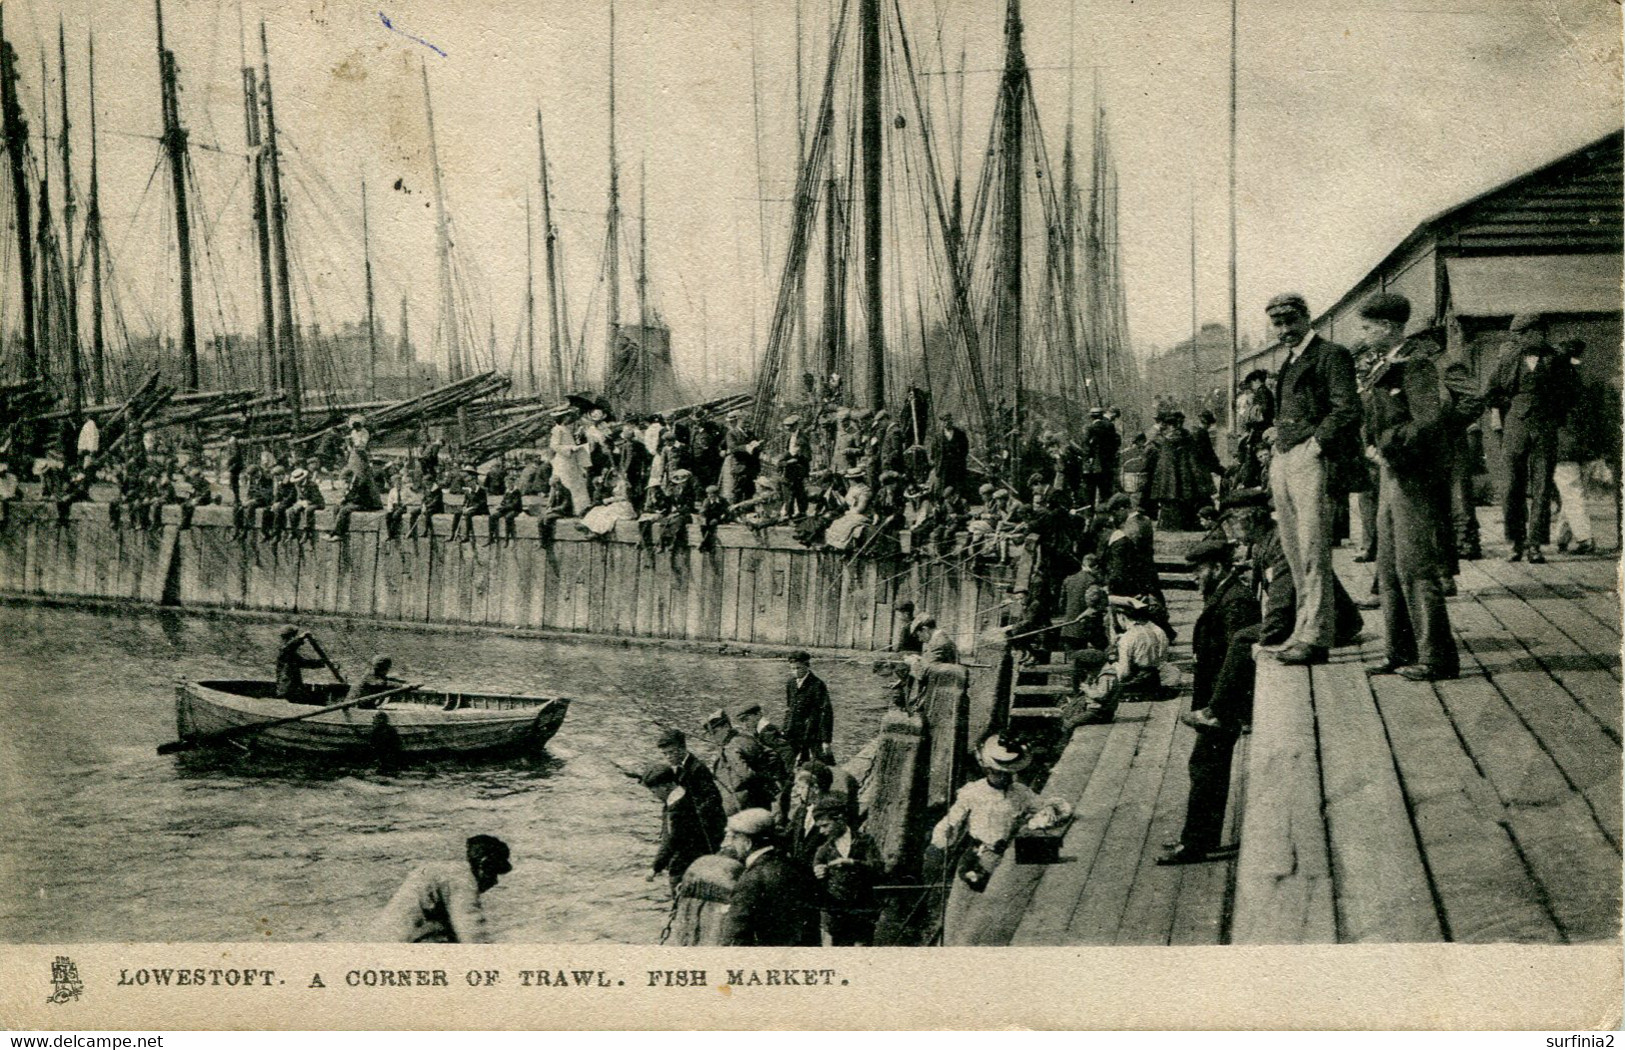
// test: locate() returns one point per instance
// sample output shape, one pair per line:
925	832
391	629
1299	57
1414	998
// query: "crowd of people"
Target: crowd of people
1389	422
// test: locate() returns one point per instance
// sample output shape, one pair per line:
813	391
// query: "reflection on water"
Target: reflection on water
108	841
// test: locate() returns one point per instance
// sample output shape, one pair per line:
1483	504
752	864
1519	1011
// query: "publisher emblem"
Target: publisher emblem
65	980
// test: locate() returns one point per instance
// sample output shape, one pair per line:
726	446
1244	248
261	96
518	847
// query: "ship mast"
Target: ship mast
51	271
93	248
803	363
448	303
1007	315
287	349
16	136
555	304
612	239
530	303
870	77
643	288
372	323
174	140
70	207
269	369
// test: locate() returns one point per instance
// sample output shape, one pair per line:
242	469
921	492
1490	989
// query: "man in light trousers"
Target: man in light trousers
1316	431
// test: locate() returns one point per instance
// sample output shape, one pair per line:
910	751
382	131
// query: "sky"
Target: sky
1356	122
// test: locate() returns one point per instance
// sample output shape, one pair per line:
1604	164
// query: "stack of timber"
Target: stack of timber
436	404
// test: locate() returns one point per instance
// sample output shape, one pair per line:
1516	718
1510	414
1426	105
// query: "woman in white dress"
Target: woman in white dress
843	532
570	462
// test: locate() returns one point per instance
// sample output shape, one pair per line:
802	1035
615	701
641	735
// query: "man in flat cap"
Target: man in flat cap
1530	390
697	783
1405	424
1228	609
1316	430
774	898
809	718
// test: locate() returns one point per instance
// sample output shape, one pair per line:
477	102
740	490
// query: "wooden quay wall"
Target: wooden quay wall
752	588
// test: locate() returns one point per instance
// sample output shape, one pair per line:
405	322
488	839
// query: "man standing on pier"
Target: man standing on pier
697	783
1531	391
1404	422
1316	426
1229	608
809	719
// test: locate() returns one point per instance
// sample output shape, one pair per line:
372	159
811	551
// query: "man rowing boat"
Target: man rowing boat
291	664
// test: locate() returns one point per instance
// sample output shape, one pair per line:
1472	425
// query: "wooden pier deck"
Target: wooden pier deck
1485	809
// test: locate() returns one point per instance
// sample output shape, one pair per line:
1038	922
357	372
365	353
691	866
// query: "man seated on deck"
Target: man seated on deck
439	903
1228	609
290	666
376	681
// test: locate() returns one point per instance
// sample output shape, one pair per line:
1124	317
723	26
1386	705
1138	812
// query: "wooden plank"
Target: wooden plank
750	569
1558	835
1588	669
1127	843
596	557
1205	890
1594	582
1553	599
773	612
1283	878
1383	894
728	596
1153	898
1056	896
1580	747
1596	644
994	917
580	569
482	558
1483	887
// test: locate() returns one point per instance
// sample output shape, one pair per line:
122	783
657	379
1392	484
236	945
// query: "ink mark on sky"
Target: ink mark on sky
391	27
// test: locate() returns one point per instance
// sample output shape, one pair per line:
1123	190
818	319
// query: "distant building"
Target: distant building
1548	241
640	377
1194	374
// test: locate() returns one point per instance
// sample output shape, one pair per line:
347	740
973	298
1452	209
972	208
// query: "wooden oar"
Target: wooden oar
221	736
331	666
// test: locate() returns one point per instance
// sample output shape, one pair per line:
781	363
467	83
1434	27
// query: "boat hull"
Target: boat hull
416	725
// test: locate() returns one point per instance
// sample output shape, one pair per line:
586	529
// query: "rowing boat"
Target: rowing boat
419	723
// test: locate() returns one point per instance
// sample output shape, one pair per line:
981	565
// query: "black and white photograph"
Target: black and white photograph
806	475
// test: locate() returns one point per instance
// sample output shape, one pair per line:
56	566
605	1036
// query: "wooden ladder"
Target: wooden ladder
1040	690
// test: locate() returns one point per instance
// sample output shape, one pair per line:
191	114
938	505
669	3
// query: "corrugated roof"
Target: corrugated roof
1599	162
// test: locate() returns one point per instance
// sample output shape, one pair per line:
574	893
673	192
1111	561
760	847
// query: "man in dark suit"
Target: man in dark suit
1316	432
1530	388
773	902
809	719
1100	441
1228	608
698	784
1405	423
950	457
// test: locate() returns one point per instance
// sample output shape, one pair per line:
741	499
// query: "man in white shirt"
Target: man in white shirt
440	902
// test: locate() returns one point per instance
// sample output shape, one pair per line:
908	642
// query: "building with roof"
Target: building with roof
1548	241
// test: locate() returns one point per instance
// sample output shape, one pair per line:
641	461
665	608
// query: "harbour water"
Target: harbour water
109	842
